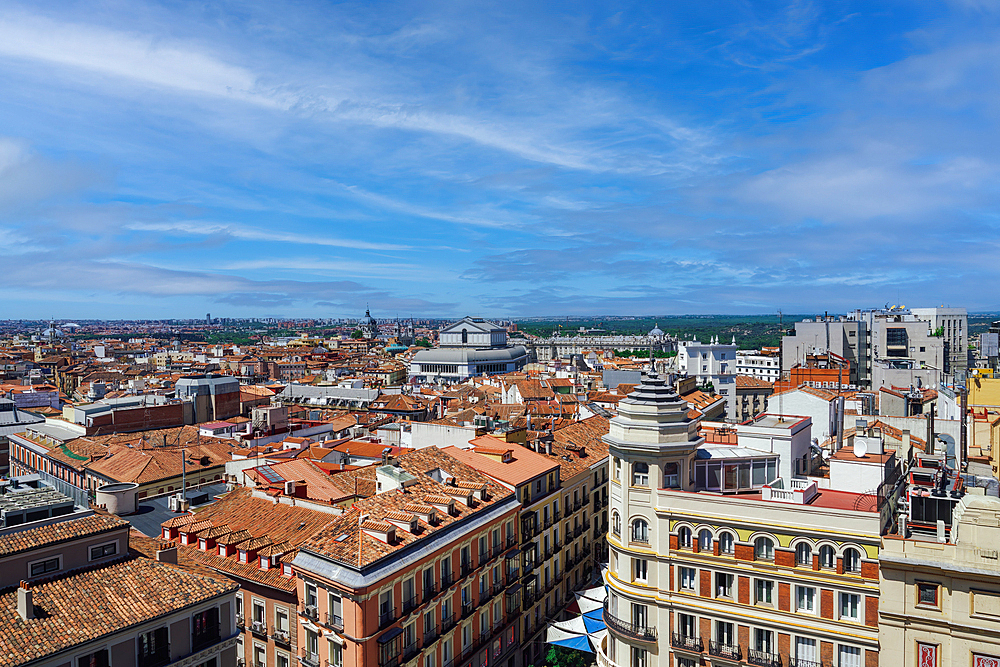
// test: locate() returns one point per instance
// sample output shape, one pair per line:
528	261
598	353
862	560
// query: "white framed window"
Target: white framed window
618	471
684	537
687	625
723	585
44	566
725	633
704	540
640	531
671	475
763	640
763	548
803	554
850	607
281	659
805	649
805	599
639	569
827	557
852	561
764	591
687	577
848	656
726	543
616	523
638	657
259	655
336	654
640	474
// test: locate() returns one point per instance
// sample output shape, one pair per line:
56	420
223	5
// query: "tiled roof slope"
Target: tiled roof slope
96	603
348	550
566	442
63	531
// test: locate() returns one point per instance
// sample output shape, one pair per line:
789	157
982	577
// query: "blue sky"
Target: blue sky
444	158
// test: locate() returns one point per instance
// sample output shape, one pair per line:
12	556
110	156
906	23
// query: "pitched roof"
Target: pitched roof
523	465
56	533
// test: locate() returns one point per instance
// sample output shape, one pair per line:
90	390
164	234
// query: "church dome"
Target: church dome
656	331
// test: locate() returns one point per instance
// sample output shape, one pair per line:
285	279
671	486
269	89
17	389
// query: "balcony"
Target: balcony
240	622
410	650
159	657
386	617
446	580
430	635
467	609
334	621
678	640
577	531
281	636
389	661
430	590
643	633
259	628
447	622
466	568
409	604
763	658
728	651
310	611
802	662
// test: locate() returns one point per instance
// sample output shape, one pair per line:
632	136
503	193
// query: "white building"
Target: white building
714	363
471	346
759	365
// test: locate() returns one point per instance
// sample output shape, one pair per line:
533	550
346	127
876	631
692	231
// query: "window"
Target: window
764	591
763	640
849	656
927	594
803	554
827	557
103	550
154	647
260	655
258	616
726	543
763	549
638	657
640	531
687	625
724	633
805	599
616	523
205	628
805	650
639	615
95	659
671	475
640	474
618	473
687	576
38	568
850	606
639	566
281	659
684	537
705	540
723	585
852	561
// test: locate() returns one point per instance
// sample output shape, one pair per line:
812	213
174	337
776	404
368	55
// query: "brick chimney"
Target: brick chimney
25	604
167	553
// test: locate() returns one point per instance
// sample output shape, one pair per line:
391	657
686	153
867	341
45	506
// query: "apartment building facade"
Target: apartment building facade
732	554
424	573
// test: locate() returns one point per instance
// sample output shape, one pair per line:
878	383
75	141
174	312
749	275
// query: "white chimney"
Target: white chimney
167	553
25	605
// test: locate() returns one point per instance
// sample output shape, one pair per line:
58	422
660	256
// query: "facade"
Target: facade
424	572
941	594
73	594
216	397
728	554
847	338
469	347
564	347
954	325
762	364
12	420
751	397
714	363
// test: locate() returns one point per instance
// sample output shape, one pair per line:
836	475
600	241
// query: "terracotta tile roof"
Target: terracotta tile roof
579	446
751	382
179	521
523	465
86	606
56	533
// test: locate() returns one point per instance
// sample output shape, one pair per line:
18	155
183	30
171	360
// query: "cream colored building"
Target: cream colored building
732	554
941	601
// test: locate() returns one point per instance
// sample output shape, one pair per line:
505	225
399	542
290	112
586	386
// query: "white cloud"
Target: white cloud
253	234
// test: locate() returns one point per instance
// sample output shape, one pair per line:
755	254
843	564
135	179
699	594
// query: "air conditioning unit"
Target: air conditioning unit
173	504
289	487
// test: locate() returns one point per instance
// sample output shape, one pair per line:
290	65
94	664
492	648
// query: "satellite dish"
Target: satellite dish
860	447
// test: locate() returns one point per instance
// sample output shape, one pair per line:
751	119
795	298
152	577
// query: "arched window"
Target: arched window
640	474
705	540
852	561
763	549
465	336
640	531
616	523
803	554
726	543
827	557
684	537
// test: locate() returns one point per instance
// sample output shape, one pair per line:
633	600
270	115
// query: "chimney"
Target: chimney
167	553
25	605
548	448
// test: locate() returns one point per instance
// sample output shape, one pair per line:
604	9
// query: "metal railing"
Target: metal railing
386	617
240	621
802	662
763	658
409	603
447	622
467	609
429	592
446	580
159	657
411	650
334	621
678	640
721	650
466	567
281	636
259	628
641	632
430	634
309	659
310	611
511	541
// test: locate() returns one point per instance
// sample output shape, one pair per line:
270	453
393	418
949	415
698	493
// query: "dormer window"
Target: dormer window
202	544
265	562
286	569
243	555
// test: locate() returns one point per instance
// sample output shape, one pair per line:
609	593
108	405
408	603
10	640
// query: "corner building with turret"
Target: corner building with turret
738	545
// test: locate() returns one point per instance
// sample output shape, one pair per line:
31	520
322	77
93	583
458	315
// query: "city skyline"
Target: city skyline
521	160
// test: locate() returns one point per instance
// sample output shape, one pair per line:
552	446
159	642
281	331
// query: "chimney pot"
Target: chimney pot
25	602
